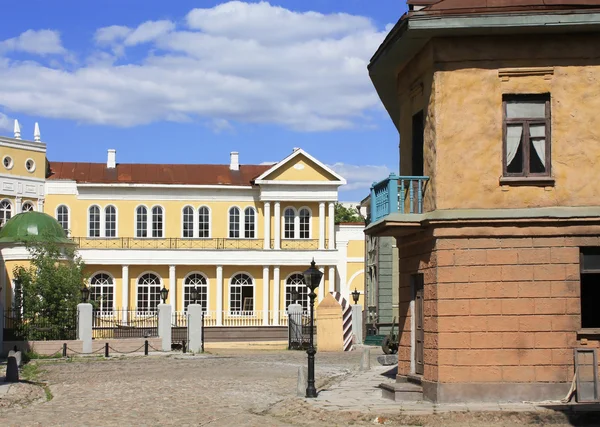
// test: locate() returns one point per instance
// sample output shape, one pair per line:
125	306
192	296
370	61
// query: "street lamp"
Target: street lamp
355	296
164	293
312	277
85	294
194	295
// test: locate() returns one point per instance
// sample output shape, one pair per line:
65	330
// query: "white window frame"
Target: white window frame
151	222
135	222
310	220
33	167
296	223
197	222
288	286
194	222
240	222
12	210
100	231
114	288
137	286
243	234
240	313
103	214
11	163
27	202
207	286
68	230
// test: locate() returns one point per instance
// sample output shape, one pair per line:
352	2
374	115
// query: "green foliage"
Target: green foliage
344	214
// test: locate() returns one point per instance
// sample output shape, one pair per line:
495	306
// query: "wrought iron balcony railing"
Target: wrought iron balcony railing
397	194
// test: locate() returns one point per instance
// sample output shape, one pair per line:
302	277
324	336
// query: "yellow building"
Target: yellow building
242	234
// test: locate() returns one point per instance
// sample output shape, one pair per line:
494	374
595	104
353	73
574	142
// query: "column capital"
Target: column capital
277	203
321	204
267	203
125	267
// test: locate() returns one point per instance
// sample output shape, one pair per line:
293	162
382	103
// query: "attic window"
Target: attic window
30	165
7	161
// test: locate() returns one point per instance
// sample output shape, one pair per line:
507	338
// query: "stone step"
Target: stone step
414	379
401	391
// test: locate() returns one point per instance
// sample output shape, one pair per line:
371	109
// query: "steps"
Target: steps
407	389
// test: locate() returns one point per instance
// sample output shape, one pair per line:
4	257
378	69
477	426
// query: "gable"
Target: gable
300	168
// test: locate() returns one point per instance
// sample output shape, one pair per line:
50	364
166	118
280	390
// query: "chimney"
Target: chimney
234	163
111	162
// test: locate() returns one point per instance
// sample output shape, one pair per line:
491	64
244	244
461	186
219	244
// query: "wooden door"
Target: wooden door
419	318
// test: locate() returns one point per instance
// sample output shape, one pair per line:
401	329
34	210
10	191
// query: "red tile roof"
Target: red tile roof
499	6
134	173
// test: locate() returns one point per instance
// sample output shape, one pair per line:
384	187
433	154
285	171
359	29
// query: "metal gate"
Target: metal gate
299	331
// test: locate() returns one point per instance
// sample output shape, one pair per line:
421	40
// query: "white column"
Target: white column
173	287
342	287
265	296
276	286
277	219
322	284
84	326
331	277
125	291
18	205
267	225
331	226
40	205
219	295
322	225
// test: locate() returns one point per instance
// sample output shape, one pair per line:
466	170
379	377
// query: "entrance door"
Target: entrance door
419	316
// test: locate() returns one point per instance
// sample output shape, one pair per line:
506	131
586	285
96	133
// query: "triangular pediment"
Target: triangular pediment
300	167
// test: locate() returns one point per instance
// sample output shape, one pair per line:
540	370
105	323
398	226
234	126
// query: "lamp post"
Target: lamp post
355	296
194	295
164	293
85	294
312	277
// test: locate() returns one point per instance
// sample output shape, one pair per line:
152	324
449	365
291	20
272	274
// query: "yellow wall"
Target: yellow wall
300	169
20	156
356	248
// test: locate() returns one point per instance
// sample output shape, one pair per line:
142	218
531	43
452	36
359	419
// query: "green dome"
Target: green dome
33	227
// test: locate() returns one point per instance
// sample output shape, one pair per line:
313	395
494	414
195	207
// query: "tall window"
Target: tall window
234	223
296	291
141	222
102	292
526	135
188	222
289	216
241	296
157	221
198	281
5	211
304	223
27	207
110	221
249	223
418	140
94	221
62	216
148	292
203	222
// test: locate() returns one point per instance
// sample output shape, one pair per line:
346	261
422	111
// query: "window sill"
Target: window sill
537	181
588	331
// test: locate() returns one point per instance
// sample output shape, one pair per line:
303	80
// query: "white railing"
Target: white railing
235	318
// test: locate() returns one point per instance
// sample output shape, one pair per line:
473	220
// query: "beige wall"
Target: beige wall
20	156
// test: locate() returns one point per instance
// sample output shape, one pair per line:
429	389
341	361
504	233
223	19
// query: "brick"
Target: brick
562	357
565	289
462	323
403	368
501	256
550	272
404	353
548	241
430	357
485	307
454	374
517	273
430	373
569	255
502	323
430	340
485	274
447	357
430	324
487	357
521	340
445	258
534	289
483	243
430	276
534	256
551	374
573	305
453	307
429	292
431	308
486	340
453	274
454	340
442	244
470	257
518	374
572	272
519	242
502	290
535	357
582	241
489	374
535	323
550	339
518	306
445	291
550	306
566	323
469	290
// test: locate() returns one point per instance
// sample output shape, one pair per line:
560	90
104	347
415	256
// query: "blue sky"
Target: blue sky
189	81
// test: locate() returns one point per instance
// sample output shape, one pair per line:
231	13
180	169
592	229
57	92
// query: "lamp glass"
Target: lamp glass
164	293
355	296
312	276
85	293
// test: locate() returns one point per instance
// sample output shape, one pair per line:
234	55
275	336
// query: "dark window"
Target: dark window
590	287
157	221
110	221
526	144
188	222
141	227
94	221
418	139
234	223
203	222
288	223
249	223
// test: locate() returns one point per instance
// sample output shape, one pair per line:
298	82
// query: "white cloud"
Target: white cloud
360	177
249	63
42	42
6	123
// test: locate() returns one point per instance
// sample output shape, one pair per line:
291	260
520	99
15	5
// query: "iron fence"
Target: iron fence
113	324
179	328
44	325
299	331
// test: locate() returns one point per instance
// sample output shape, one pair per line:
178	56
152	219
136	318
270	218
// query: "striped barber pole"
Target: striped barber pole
346	319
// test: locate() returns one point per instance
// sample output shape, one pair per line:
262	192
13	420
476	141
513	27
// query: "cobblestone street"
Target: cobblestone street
228	388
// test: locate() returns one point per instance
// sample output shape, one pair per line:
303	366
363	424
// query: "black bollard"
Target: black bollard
105	349
183	346
146	348
64	349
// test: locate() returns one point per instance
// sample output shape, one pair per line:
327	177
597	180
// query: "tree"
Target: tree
344	214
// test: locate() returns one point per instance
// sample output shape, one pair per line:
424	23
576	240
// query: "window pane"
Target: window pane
234	223
157	221
188	222
288	228
304	224
110	221
203	222
514	151
102	293
62	216
537	156
197	281
94	221
241	295
5	212
141	222
249	223
526	109
148	291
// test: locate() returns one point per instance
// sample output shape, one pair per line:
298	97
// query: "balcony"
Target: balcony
397	194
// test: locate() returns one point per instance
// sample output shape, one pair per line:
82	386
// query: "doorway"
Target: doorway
419	340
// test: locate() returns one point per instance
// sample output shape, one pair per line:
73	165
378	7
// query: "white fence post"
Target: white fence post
164	325
357	326
195	328
84	326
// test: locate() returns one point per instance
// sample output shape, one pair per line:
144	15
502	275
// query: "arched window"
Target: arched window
27	207
296	291
5	211
141	222
198	281
188	222
241	294
94	221
249	223
102	292
234	223
157	221
288	223
148	292
110	221
203	222
304	223
62	216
